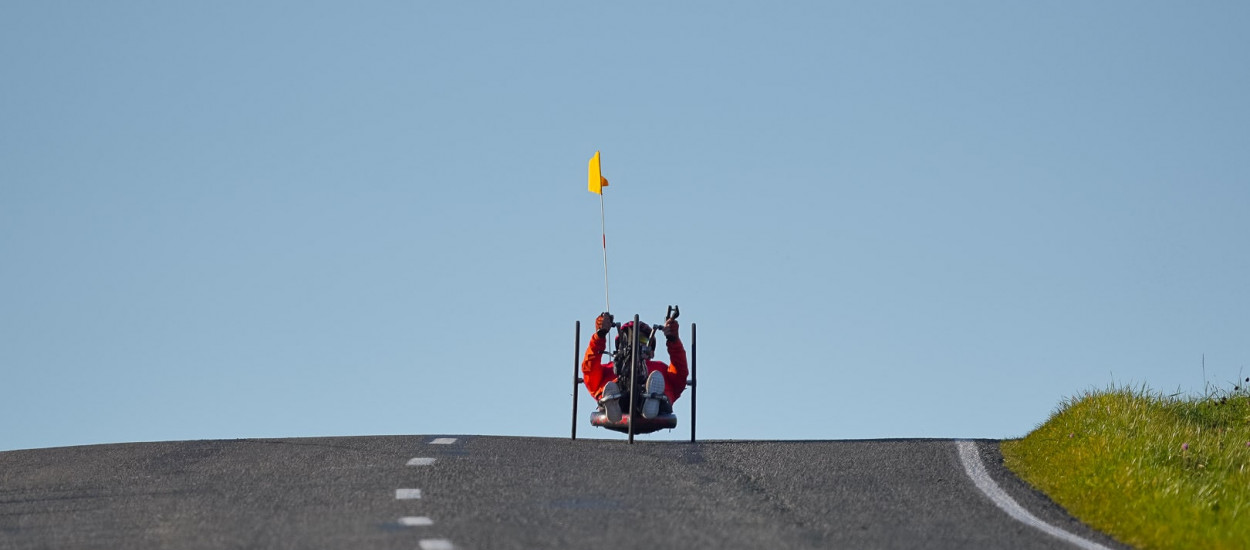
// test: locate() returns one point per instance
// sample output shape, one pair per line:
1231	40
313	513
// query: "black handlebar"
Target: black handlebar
673	312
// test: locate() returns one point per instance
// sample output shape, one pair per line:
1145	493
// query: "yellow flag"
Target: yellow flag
596	182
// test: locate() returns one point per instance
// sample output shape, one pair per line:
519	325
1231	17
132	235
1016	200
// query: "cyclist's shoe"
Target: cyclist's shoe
655	395
611	401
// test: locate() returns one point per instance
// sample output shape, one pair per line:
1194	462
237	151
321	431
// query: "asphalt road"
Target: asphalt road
506	492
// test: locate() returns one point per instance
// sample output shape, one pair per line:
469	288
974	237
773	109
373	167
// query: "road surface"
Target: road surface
480	492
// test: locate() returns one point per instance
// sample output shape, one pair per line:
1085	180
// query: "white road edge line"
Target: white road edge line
443	441
971	458
436	544
407	494
421	461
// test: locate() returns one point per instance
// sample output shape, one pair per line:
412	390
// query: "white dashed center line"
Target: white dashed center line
415	521
407	494
411	494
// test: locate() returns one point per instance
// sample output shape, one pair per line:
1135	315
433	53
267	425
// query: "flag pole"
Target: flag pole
595	183
604	233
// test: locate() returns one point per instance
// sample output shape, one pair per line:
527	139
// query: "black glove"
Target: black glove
603	324
670	329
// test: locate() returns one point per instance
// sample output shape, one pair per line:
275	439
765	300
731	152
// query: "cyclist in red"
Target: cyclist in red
660	384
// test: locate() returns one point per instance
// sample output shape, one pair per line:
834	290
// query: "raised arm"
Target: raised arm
595	374
677	372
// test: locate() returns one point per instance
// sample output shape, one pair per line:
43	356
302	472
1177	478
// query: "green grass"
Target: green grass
1153	471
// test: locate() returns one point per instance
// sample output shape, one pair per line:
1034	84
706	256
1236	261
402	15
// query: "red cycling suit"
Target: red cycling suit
596	375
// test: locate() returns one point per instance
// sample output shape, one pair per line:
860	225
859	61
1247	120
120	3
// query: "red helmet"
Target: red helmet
645	340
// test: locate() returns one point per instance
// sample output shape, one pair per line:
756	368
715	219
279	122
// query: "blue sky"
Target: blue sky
889	219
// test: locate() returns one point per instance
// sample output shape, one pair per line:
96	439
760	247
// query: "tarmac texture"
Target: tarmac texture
482	492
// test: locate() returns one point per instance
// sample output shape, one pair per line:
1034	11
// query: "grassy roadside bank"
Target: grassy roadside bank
1153	471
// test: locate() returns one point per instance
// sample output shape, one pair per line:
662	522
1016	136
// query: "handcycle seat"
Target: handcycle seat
641	425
